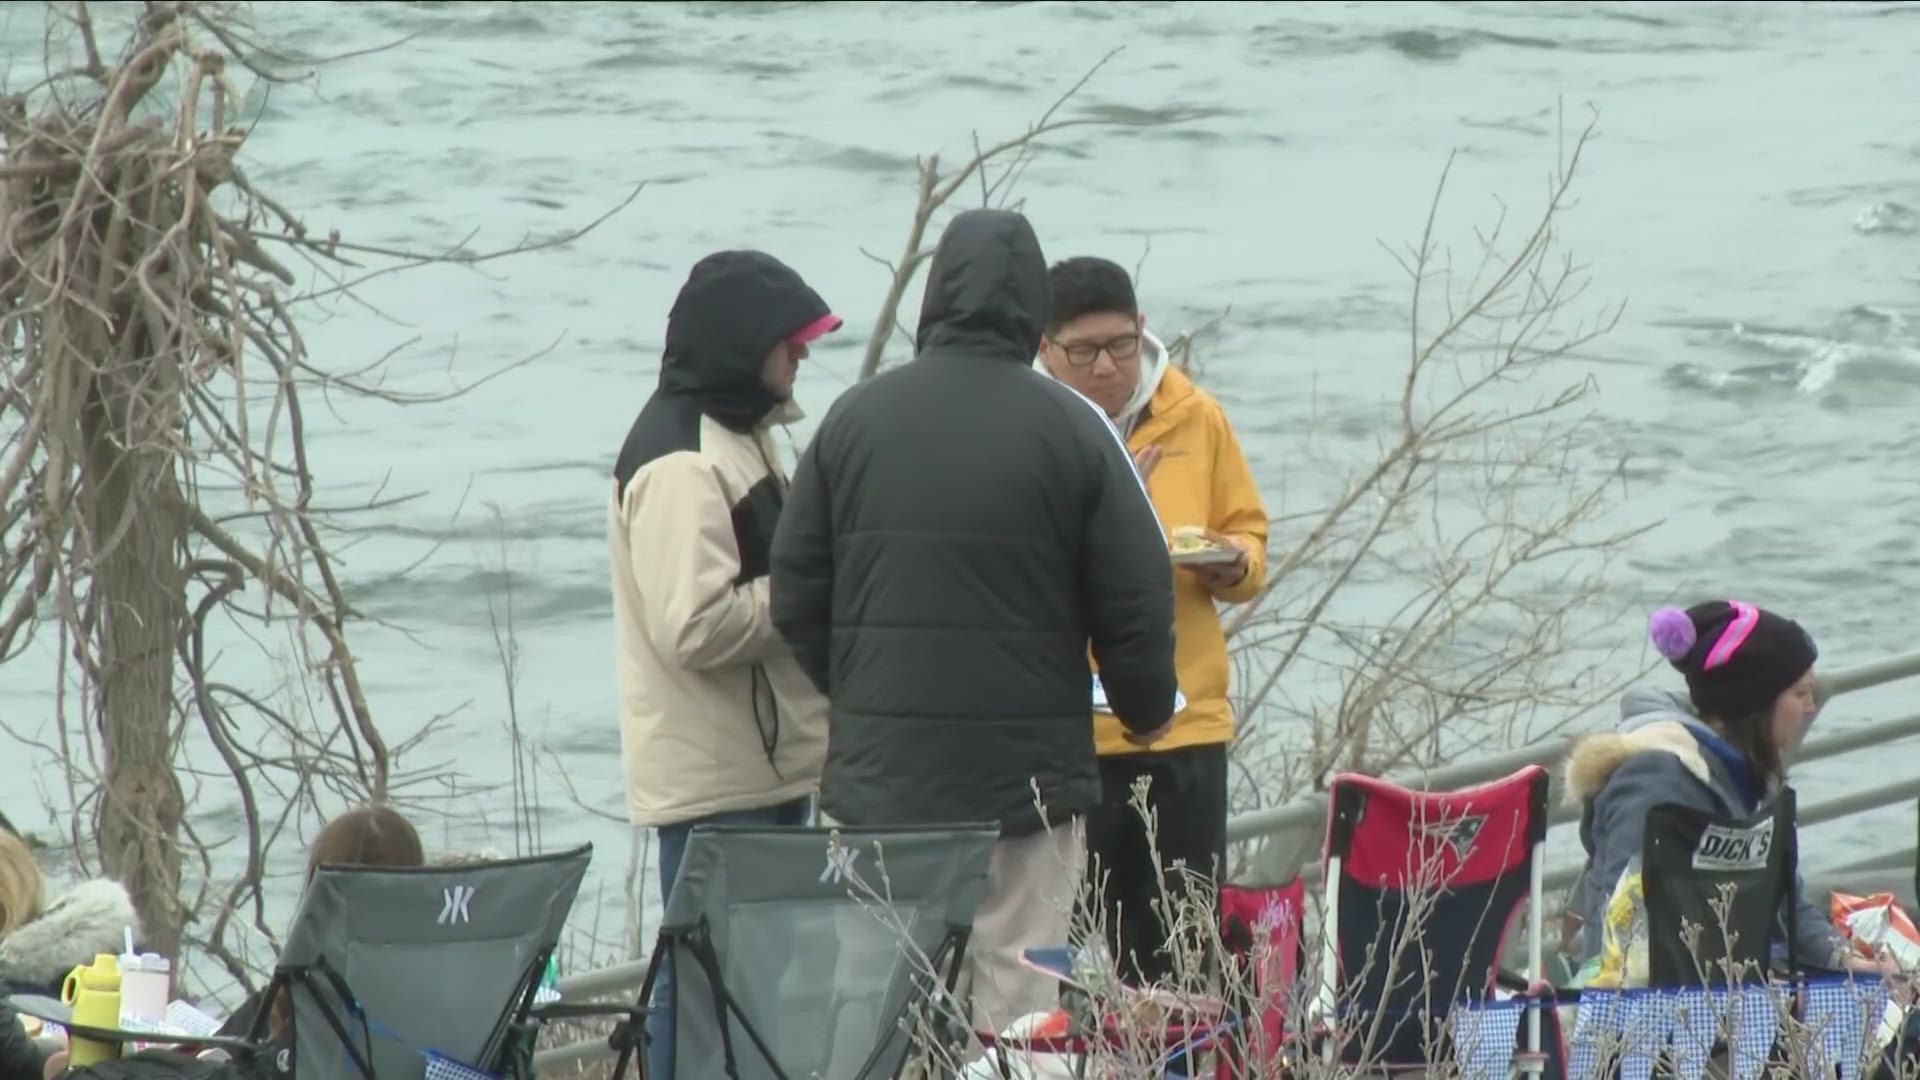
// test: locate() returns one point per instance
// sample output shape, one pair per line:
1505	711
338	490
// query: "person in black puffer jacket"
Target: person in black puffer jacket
959	530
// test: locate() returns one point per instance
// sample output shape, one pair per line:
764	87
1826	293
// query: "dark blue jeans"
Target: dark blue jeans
673	848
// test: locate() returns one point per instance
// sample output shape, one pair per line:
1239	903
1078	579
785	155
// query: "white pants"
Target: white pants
1032	884
1031	887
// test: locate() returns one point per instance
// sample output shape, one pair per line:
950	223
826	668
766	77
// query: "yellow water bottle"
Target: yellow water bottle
94	992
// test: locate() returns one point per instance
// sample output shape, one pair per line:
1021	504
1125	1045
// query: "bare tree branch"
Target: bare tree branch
936	189
1450	596
156	478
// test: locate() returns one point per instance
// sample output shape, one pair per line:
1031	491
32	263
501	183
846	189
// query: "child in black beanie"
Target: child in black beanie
1752	693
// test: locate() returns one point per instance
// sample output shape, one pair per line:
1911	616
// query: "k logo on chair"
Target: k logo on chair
453	906
840	862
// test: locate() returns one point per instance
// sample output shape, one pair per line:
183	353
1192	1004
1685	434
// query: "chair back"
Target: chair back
1263	930
799	952
389	969
1715	887
1421	889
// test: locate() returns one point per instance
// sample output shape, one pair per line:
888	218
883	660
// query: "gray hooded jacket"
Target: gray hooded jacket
93	918
1656	758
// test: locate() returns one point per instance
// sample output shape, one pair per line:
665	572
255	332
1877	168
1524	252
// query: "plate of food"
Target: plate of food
1191	546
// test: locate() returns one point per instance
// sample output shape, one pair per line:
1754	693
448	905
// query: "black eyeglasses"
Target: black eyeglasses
1084	353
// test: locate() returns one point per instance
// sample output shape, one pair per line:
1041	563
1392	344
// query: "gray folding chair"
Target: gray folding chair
815	952
427	972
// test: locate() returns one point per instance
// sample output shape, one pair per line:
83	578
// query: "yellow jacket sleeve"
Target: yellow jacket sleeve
1237	511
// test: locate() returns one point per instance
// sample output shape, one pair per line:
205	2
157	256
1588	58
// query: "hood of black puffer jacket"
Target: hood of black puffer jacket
734	308
987	294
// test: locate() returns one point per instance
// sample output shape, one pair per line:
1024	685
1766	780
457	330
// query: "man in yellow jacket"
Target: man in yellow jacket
1097	343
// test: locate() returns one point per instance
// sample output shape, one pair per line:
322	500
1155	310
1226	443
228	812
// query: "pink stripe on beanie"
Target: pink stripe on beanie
818	328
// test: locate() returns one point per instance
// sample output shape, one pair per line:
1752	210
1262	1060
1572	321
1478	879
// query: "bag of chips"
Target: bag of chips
1876	926
1623	941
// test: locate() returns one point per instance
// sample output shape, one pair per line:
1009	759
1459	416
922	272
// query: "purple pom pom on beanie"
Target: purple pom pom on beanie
1672	632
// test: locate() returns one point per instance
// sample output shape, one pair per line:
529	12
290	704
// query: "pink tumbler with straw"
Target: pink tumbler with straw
146	986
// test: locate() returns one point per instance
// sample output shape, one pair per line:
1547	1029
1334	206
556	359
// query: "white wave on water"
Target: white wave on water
1896	218
1869	347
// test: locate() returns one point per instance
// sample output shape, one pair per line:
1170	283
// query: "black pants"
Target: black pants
1187	798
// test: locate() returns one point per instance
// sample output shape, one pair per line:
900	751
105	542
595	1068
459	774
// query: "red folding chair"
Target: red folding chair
1421	888
1262	927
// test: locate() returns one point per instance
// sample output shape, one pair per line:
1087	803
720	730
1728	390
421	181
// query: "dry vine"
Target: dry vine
157	469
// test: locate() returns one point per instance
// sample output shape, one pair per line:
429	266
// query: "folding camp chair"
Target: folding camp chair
1262	928
1715	889
416	973
423	972
817	952
1690	861
1420	888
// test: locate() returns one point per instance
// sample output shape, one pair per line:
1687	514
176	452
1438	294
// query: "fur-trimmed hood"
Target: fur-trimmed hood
1654	720
92	918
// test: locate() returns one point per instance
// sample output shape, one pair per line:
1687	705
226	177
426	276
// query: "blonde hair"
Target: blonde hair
23	893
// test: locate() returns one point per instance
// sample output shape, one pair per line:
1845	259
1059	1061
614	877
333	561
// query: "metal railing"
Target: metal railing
1287	839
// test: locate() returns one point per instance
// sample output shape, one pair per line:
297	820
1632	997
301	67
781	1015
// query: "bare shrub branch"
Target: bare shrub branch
1449	597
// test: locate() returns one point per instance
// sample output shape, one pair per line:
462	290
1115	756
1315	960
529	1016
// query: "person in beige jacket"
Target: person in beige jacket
718	724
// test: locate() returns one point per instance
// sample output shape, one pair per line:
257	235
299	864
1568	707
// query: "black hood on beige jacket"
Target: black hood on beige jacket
714	714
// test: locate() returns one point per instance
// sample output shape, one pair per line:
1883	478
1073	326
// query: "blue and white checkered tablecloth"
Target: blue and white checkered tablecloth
1844	1017
1634	1027
441	1067
1485	1037
1621	1033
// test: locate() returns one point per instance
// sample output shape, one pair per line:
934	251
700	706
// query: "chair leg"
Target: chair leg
626	1058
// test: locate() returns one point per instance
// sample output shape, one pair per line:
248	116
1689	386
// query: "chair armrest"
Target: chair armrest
234	1047
1817	971
1521	987
587	1011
